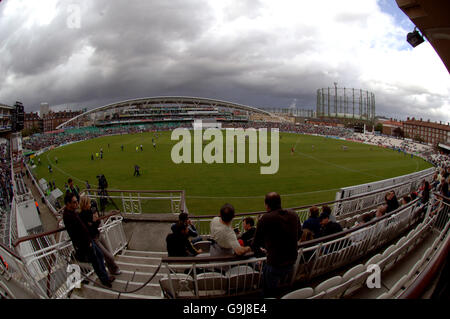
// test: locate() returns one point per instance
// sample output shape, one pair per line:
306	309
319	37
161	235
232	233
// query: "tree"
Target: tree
398	132
418	139
379	127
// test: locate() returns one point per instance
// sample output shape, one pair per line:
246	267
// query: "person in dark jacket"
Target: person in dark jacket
313	222
249	226
85	247
89	216
391	202
277	234
178	244
184	218
328	227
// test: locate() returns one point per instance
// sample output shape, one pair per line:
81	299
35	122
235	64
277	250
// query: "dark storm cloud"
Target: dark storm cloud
131	49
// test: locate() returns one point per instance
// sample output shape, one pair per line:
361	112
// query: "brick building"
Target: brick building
430	132
32	120
53	119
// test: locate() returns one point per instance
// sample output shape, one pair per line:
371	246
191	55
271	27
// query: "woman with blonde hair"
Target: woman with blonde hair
91	220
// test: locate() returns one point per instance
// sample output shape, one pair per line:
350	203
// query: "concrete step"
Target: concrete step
136	267
151	289
138	260
143	276
93	292
140	253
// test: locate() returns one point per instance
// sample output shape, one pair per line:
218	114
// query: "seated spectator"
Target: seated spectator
89	216
313	222
328	227
405	200
225	242
178	244
85	247
381	210
365	218
425	194
413	195
307	234
391	202
249	231
193	234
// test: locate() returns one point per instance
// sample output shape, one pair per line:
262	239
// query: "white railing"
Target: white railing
138	201
15	278
315	258
211	278
48	266
390	182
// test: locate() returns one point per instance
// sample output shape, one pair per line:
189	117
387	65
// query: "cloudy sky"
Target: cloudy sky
264	53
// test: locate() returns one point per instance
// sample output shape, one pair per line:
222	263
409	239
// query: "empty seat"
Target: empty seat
204	245
318	296
327	284
212	283
358	269
299	294
401	241
435	243
178	285
385	295
398	285
388	251
426	254
414	269
242	278
339	290
374	260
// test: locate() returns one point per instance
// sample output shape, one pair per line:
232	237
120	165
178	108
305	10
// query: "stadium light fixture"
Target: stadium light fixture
414	38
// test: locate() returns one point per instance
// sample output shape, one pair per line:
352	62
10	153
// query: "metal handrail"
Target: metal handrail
55	231
311	205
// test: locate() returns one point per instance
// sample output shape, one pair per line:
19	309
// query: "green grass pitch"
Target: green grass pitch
310	175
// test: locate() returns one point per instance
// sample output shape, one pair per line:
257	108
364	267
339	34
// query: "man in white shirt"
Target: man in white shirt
225	240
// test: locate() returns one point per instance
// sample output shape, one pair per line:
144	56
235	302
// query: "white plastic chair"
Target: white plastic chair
374	260
327	284
398	285
299	294
385	295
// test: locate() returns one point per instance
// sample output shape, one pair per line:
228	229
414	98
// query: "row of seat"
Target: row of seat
237	279
407	279
354	278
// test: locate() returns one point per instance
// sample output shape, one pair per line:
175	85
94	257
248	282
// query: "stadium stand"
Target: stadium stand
331	267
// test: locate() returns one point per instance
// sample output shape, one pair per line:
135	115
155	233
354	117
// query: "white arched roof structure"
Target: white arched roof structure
180	100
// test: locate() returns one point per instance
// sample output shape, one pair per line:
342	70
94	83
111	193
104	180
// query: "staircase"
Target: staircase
136	267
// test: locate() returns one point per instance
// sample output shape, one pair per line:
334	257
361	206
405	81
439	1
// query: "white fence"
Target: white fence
46	267
390	182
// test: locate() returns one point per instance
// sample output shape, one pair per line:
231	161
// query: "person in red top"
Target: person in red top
37	207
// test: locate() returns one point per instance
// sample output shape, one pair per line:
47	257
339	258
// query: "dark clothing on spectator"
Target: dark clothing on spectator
87	216
313	224
178	245
392	205
278	232
247	237
78	232
85	247
192	230
330	228
74	191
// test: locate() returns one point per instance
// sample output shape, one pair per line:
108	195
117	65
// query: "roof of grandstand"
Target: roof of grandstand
181	100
